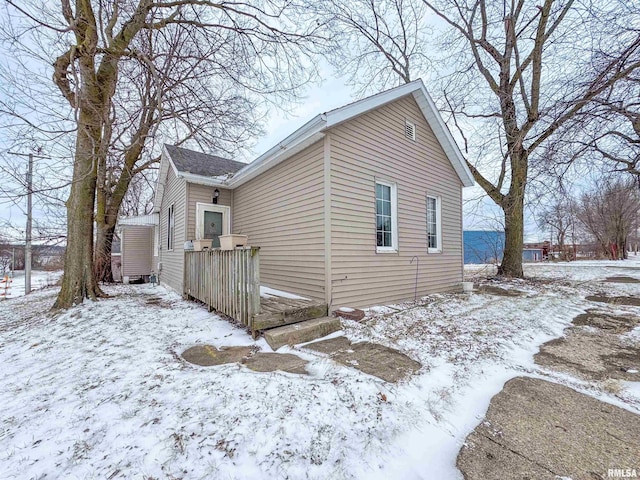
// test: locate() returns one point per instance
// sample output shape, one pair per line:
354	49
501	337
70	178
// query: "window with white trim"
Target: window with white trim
170	227
386	218
434	230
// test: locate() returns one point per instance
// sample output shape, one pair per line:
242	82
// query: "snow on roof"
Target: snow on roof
141	220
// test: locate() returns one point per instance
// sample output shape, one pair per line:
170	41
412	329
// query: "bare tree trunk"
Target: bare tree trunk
111	196
511	265
102	257
78	281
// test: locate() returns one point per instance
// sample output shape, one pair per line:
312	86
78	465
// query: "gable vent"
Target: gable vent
410	130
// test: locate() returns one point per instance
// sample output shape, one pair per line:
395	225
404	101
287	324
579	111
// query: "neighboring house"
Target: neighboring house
535	252
344	209
483	246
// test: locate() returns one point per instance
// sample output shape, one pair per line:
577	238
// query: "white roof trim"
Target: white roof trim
140	220
220	181
165	162
312	131
306	135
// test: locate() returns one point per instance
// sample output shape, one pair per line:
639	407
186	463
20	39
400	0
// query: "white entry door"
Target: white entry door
212	221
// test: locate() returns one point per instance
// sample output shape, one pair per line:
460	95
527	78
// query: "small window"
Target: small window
386	218
170	227
434	235
410	130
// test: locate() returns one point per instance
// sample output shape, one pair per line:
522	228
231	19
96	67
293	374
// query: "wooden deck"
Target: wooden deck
278	311
274	304
228	281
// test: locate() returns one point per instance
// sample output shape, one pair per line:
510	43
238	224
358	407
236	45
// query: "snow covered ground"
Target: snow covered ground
579	270
267	292
100	391
39	279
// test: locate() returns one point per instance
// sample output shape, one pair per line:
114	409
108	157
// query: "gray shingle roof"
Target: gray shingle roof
198	163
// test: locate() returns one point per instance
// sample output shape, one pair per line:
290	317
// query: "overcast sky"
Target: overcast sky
479	211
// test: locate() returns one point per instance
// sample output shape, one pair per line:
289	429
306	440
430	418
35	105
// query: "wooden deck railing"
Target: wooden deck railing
228	281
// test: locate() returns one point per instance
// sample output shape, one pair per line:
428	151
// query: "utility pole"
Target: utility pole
27	248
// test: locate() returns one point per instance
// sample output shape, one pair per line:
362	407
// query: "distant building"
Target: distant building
532	255
535	252
483	246
487	246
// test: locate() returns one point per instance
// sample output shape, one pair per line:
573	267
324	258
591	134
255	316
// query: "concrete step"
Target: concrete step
301	332
288	316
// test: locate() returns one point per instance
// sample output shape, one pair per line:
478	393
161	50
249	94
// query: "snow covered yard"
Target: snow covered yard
39	279
101	391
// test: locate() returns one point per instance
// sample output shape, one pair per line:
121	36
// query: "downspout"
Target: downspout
327	221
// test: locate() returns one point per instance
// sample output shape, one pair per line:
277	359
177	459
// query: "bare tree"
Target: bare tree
609	214
377	44
171	101
515	72
559	219
139	197
611	128
606	133
513	48
251	47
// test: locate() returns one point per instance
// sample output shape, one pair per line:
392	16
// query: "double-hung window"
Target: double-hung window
386	218
434	230
170	227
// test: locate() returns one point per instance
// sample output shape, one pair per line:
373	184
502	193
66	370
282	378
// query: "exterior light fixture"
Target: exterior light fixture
216	194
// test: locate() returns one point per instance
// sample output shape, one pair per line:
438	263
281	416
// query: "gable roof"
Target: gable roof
313	130
198	163
195	167
212	170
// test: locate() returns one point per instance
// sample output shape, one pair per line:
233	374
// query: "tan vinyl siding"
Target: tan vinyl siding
374	146
137	251
202	194
282	213
173	261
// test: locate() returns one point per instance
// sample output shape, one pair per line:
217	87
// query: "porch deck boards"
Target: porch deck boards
280	304
278	311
